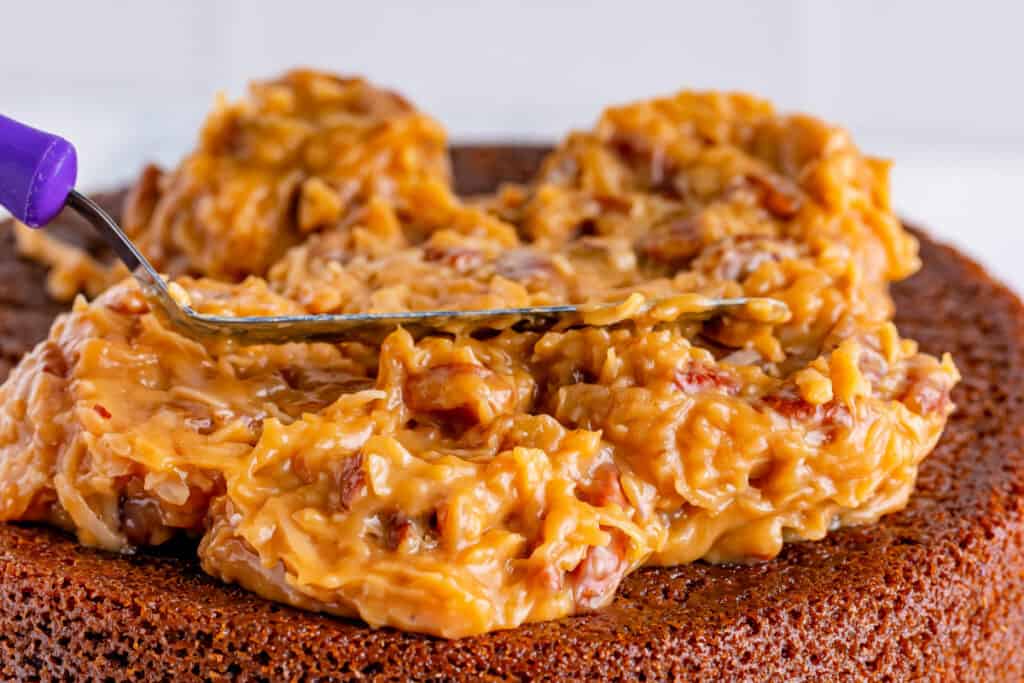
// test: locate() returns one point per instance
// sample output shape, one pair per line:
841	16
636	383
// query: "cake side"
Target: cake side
933	591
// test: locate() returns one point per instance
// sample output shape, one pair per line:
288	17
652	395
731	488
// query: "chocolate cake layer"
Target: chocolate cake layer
935	592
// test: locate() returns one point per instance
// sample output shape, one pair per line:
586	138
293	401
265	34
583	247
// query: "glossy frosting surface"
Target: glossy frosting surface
458	485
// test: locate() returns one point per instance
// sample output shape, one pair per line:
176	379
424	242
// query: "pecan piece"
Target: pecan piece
673	243
779	195
605	488
349	482
141	521
461	259
737	258
526	266
128	303
698	377
595	579
788	403
458	395
53	360
398	529
926	396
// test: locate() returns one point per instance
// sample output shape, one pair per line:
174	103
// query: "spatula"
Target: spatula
37	178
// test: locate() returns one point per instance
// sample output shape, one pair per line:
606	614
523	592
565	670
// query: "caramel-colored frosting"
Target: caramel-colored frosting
457	485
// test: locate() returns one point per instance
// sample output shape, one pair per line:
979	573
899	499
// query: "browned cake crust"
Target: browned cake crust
934	592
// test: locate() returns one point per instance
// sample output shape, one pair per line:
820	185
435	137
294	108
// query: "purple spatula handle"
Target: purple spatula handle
37	171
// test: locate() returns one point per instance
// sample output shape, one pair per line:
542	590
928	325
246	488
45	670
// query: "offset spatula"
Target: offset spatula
37	178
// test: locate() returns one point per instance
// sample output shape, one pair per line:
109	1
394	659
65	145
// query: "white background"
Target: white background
934	85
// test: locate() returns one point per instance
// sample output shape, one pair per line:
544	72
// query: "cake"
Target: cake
935	591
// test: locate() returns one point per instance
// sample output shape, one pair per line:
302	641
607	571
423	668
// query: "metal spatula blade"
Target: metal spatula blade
37	177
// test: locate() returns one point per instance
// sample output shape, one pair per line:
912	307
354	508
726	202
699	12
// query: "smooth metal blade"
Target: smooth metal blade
365	327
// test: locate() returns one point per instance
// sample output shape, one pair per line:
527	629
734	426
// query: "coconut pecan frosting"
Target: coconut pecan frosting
457	485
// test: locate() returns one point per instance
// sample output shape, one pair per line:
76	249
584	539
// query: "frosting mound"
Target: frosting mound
455	485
